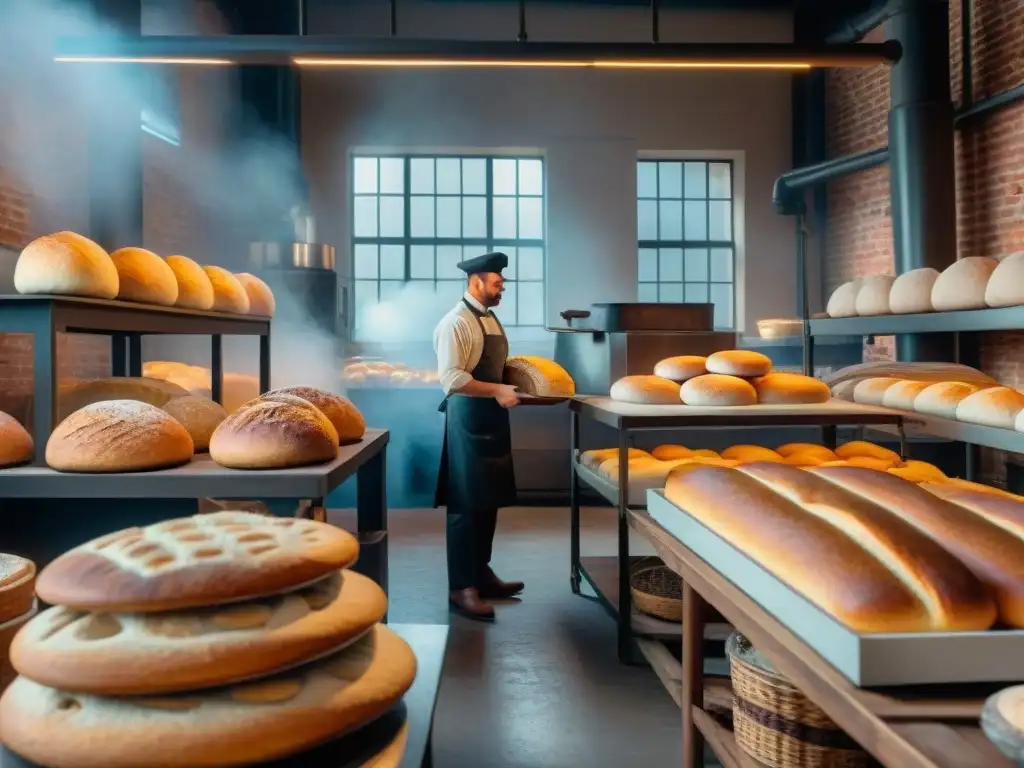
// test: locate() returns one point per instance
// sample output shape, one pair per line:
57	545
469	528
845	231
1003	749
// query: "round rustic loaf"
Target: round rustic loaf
871	391
118	436
144	277
912	291
790	389
153	391
200	416
346	418
277	433
195	291
537	376
16	445
992	407
749	453
66	264
739	362
903	394
1006	285
245	724
873	296
963	283
843	301
942	398
681	367
261	298
195	562
228	293
718	390
157	653
645	390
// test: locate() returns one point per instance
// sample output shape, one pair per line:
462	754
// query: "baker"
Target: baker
475	477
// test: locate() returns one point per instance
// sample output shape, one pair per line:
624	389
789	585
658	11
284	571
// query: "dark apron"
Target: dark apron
476	458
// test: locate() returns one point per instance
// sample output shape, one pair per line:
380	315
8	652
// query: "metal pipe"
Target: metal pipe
522	22
966	55
394	18
303	18
655	36
853	30
784	193
991	104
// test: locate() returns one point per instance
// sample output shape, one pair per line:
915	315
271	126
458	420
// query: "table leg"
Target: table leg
372	518
625	612
45	378
217	368
694	609
265	363
828	437
574	504
134	354
428	753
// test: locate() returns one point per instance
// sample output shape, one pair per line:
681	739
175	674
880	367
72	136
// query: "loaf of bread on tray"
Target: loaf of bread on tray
717	390
144	277
16	446
200	417
873	296
942	398
195	291
646	390
538	376
739	362
903	394
962	284
152	391
911	292
858	561
781	388
66	264
991	407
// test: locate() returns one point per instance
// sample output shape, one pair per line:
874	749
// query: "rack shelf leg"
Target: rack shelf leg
694	610
217	368
44	380
625	615
574	504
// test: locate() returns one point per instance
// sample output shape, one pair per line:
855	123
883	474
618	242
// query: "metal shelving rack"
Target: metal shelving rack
609	577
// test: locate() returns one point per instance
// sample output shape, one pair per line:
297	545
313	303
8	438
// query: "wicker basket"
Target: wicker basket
656	590
776	724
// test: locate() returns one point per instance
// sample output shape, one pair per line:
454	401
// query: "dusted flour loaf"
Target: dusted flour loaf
144	277
873	296
66	264
539	376
991	407
858	561
645	390
843	301
261	298
152	391
790	389
157	653
717	390
911	292
274	433
346	418
16	446
195	291
963	283
243	724
872	391
228	293
681	367
942	399
739	362
118	436
194	562
595	458
1006	285
200	417
902	395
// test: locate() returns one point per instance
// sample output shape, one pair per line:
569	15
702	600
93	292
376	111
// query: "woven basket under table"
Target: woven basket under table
776	724
656	590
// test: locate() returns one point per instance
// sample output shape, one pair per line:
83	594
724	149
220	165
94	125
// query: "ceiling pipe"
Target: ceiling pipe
852	29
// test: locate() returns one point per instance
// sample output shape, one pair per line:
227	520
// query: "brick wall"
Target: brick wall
989	168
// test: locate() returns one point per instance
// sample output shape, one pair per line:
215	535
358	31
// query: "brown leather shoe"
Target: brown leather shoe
468	603
494	588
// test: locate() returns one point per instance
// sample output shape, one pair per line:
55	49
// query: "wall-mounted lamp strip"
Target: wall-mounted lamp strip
428	63
139	60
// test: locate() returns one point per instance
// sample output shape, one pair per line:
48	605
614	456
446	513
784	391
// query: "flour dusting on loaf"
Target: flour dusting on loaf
538	376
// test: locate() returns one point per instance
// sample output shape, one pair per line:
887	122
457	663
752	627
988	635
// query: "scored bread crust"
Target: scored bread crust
261	298
204	560
195	290
942	398
118	436
17	586
538	376
200	416
739	362
16	446
681	367
340	411
717	390
144	277
277	433
154	391
136	654
228	293
790	389
238	725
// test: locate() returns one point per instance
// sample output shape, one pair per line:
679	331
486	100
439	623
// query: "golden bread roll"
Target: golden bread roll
911	292
644	473
66	264
144	277
681	367
873	296
286	431
902	395
790	389
1005	287
261	298
854	560
228	293
706	453
963	283
967	485
118	436
870	462
750	453
993	553
195	291
16	446
992	407
805	460
153	391
156	653
918	472
813	449
863	448
346	418
717	390
200	416
645	390
705	461
670	452
843	301
872	391
593	459
538	376
844	390
17	587
245	724
942	398
739	362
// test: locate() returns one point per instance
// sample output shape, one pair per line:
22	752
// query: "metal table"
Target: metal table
609	577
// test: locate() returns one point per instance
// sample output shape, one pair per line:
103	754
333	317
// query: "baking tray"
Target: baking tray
866	660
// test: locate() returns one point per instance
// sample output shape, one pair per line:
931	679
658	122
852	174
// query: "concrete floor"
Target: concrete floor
541	687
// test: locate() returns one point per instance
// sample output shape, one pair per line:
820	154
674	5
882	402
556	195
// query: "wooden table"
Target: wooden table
901	728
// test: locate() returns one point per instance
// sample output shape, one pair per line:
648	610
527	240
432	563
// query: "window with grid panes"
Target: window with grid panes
415	217
686	234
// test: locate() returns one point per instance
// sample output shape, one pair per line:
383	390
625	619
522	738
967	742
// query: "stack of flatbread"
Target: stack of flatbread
222	639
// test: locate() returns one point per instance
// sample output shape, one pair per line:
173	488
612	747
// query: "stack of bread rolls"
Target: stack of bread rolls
973	282
68	264
539	377
729	378
16	446
17	605
236	388
216	640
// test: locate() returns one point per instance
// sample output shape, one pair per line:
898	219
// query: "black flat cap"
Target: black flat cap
489	262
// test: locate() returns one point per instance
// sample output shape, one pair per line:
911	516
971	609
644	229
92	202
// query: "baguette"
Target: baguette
995	555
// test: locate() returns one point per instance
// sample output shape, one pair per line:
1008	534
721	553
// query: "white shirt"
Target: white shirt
459	343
